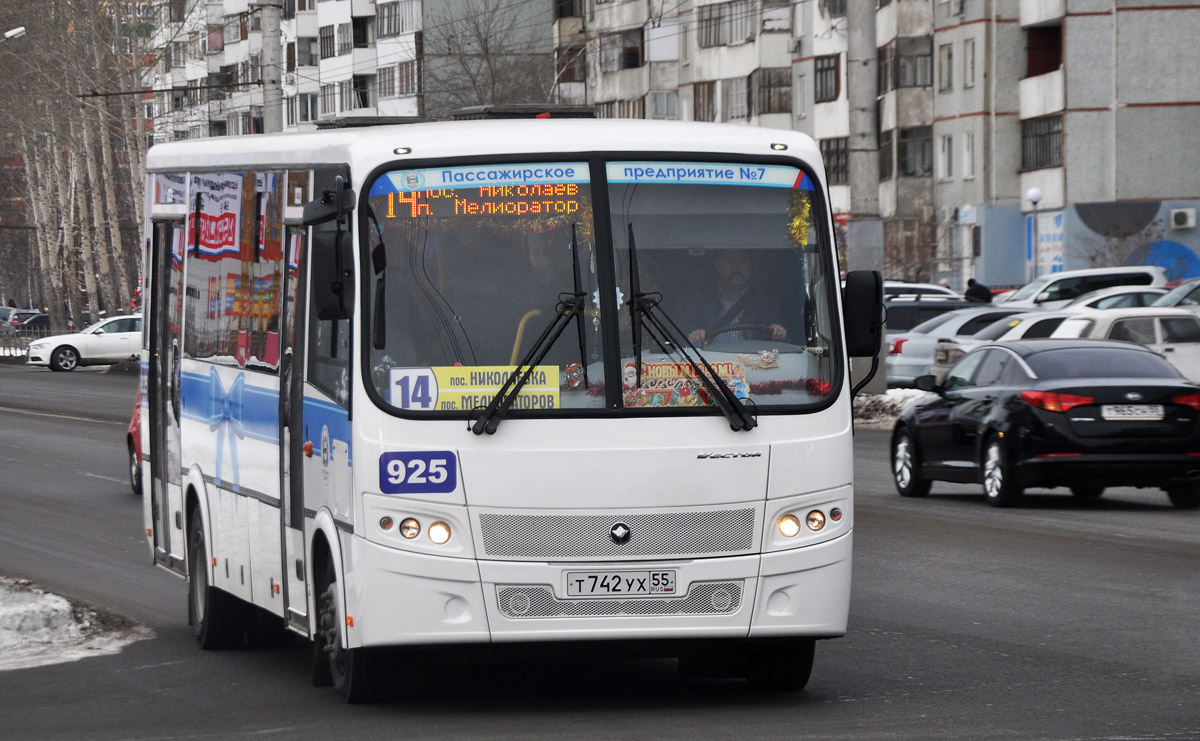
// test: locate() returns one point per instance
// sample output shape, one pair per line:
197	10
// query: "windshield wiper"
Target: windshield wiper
646	310
570	306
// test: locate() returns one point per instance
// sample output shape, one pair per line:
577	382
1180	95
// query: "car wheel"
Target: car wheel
215	615
135	470
781	665
358	675
1184	496
998	484
1087	492
64	358
904	466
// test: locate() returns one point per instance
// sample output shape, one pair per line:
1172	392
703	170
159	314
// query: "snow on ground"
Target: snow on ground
38	628
879	411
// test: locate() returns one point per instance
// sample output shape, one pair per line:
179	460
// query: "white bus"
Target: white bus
432	384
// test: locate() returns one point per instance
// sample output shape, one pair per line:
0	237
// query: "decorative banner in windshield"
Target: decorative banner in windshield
513	190
709	173
462	388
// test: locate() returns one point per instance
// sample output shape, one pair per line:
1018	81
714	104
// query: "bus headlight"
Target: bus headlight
789	526
439	532
410	528
815	520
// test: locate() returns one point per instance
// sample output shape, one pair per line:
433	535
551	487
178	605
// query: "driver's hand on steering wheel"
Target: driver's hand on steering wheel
696	336
778	333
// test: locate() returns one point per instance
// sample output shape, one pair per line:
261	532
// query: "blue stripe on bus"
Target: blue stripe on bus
210	400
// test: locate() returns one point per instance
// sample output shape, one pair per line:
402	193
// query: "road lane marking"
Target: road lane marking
73	418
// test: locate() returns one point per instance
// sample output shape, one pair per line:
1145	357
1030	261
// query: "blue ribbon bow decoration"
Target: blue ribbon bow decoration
225	416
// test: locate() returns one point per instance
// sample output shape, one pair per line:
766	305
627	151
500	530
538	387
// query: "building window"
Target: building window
568	9
1043	49
387	19
835	152
1041	143
345	95
969	63
362	32
345	38
328	47
662	104
725	23
737	104
622	50
704	101
945	67
572	63
307	52
386	79
771	90
947	156
621	109
914	152
886	155
835	8
328	100
914	62
825	72
887	67
968	167
410	77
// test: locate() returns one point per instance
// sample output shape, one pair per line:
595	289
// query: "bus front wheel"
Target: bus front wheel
358	675
780	665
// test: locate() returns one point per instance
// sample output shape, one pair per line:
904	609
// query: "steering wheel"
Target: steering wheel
754	329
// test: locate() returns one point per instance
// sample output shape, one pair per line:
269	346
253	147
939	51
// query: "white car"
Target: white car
1173	333
1028	325
894	288
1055	290
1117	297
910	354
106	342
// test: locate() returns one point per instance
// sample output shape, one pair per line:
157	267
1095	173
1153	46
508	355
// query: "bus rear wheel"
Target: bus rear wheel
358	675
215	615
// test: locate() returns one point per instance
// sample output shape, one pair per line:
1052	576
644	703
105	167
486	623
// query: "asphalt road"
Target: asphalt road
1063	619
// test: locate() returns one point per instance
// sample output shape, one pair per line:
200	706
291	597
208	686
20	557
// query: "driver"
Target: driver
733	300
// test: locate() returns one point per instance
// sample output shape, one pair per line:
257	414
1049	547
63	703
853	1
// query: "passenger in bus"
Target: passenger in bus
735	297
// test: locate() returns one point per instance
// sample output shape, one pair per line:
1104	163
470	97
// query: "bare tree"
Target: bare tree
486	52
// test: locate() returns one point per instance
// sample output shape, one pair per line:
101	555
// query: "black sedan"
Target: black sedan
1084	414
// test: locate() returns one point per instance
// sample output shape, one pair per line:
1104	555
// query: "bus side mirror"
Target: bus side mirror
333	275
328	207
862	313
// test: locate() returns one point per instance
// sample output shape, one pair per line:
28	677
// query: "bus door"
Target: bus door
291	416
164	313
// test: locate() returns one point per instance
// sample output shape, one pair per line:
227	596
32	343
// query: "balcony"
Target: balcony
1043	95
365	61
1036	12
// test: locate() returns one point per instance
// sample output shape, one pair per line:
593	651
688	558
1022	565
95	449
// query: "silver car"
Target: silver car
910	354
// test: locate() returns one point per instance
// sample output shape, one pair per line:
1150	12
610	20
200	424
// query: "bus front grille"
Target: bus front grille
707	598
651	535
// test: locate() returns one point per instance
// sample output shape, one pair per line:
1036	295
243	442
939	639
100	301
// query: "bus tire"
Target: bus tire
358	675
1184	496
135	469
215	615
783	665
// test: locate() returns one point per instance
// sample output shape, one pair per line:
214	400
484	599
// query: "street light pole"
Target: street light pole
1034	195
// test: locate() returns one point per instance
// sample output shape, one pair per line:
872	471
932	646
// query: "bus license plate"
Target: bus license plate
620	583
1132	411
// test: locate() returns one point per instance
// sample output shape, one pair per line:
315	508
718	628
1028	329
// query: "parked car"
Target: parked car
910	354
1118	297
1055	290
894	288
1032	324
1186	295
1174	333
36	324
1084	414
133	442
15	317
105	342
904	313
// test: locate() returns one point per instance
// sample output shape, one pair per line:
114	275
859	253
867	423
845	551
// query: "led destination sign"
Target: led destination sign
542	189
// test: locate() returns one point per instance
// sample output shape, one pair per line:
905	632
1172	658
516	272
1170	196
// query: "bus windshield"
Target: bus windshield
473	265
